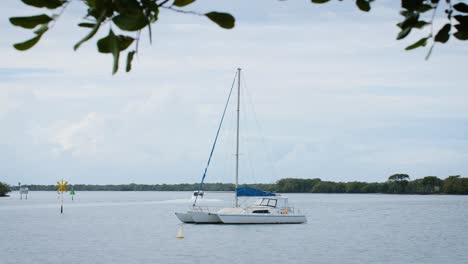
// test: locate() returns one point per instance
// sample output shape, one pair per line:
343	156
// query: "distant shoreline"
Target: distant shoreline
397	184
230	192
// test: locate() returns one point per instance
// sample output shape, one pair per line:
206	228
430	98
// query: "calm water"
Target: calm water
140	227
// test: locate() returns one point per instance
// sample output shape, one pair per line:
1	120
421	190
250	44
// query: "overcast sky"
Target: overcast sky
328	93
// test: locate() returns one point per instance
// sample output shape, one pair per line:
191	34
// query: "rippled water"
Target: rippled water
140	227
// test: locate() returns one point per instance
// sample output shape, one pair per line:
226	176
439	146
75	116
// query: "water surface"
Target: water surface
140	227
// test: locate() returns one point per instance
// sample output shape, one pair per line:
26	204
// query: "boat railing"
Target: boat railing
292	210
206	209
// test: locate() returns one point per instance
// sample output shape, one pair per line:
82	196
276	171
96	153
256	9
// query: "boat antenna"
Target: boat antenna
237	138
216	139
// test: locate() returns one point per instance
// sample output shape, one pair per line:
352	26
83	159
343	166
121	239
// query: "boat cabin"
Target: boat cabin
274	202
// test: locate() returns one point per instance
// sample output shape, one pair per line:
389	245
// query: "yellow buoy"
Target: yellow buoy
180	233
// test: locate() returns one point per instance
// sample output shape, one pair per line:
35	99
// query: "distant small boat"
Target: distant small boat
270	209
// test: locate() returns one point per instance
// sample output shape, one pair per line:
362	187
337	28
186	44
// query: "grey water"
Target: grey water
140	227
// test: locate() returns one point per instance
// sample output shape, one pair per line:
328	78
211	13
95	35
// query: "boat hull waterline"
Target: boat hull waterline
212	218
185	217
205	218
261	219
191	217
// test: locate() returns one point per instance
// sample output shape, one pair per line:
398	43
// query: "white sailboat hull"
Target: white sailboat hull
205	218
185	217
199	215
261	219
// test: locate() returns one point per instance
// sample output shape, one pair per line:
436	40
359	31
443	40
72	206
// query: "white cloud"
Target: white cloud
80	137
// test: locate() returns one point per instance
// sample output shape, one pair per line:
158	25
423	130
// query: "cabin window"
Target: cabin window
260	212
268	202
272	203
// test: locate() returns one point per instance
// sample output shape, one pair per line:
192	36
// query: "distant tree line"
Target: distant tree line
136	187
227	187
396	184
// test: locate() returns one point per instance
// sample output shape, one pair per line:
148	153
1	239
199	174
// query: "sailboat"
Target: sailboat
270	208
198	214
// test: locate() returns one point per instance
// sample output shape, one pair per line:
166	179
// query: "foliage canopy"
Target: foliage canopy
134	16
4	189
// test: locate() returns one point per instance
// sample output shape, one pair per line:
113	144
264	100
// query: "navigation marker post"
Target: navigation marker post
62	187
23	190
72	192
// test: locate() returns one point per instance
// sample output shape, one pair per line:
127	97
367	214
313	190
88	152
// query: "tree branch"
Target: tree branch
182	11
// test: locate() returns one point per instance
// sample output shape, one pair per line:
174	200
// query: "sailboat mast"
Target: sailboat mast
237	140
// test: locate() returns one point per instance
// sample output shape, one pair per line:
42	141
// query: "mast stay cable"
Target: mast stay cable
215	140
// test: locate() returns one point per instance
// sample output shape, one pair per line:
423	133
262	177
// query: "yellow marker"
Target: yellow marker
179	233
62	186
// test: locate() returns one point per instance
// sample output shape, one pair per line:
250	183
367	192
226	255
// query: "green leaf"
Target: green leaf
126	6
403	33
363	5
31	21
461	19
461	35
129	60
130	22
98	7
50	4
319	1
223	20
420	43
411	4
443	34
421	24
181	3
424	8
92	32
27	44
91	3
461	7
410	20
114	44
110	44
87	25
462	28
404	13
